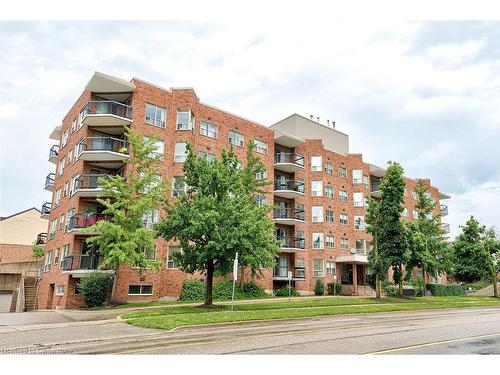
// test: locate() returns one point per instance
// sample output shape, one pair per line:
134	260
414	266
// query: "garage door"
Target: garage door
5	300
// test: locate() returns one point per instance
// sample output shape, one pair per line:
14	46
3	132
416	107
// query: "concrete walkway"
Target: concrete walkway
488	291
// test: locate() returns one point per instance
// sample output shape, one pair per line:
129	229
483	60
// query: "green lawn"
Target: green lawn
172	317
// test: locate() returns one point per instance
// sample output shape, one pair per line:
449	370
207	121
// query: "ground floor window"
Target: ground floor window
140	290
59	291
330	268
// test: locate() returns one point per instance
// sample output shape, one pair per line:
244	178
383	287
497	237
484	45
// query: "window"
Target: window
159	149
357	176
150	253
262	175
61	222
74	184
330	241
73	126
359	222
414	195
260	199
81	116
366	182
69	215
66	188
48	260
317	188
360	246
415	214
156	181
146	290
65	137
318	241
185	120
208	130
405	212
358	199
64	254
180	153
329	168
329	191
236	139
342	172
316	163
330	268
179	186
59	291
172	250
318	268
60	168
344	243
56	258
344	220
70	156
155	115
300	234
330	218
151	218
260	146
206	155
343	195
317	214
53	226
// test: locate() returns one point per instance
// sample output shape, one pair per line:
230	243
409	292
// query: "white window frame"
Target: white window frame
318	218
329	192
328	217
177	192
183	127
159	150
357	176
206	155
170	260
155	121
48	261
331	268
328	168
330	241
343	219
140	290
317	188
342	172
59	290
177	157
261	147
236	139
260	199
356	201
344	243
319	272
318	245
359	223
57	198
343	196
209	130
316	163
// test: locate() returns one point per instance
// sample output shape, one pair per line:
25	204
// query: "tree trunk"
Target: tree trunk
242	273
423	279
209	283
115	286
378	287
400	280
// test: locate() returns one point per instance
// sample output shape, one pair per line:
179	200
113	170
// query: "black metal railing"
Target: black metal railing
53	152
289	213
85	220
108	107
103	144
292	242
89	181
46	208
443	209
375	185
289	157
50	179
445	228
41	239
82	262
287	185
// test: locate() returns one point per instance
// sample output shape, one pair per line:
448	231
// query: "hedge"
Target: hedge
319	288
330	286
94	288
194	290
446	289
283	292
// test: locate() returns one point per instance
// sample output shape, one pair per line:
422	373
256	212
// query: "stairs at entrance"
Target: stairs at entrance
30	292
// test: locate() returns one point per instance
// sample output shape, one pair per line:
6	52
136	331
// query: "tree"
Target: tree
468	252
424	236
492	256
373	224
217	217
38	254
124	239
392	236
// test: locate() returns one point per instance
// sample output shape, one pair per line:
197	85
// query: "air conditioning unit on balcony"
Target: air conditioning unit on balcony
353	250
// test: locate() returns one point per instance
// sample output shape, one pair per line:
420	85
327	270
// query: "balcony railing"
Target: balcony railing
299	272
108	107
443	209
289	185
46	208
89	181
375	185
49	181
445	228
82	262
282	272
289	213
288	157
103	144
54	151
41	239
85	220
292	242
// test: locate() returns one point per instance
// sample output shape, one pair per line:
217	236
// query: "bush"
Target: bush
192	290
94	288
446	289
330	288
223	289
252	290
391	290
418	287
319	288
283	292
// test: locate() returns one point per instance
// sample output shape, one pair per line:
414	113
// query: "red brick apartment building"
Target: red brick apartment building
319	188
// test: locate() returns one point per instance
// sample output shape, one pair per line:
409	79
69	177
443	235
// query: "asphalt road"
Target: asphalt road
456	331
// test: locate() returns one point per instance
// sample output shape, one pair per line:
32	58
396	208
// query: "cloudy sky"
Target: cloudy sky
426	94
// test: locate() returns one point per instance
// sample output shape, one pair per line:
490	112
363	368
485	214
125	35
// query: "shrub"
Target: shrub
94	288
319	288
283	292
446	289
330	288
192	290
418	287
391	290
223	289
252	290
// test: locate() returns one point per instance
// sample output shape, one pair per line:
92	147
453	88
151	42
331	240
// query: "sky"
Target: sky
424	94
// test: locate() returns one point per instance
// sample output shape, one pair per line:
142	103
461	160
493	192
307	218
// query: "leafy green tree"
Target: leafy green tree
38	254
492	255
373	224
217	217
124	239
392	236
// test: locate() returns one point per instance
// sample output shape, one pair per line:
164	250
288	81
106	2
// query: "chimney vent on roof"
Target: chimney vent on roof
311	117
317	119
333	124
328	123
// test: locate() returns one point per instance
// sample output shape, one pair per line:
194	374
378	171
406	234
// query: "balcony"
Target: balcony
88	185
288	188
288	162
107	114
45	211
77	223
292	244
41	239
49	181
54	151
443	209
109	152
375	189
281	273
445	228
80	264
288	216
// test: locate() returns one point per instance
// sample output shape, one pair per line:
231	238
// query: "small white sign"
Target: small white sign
235	268
289	275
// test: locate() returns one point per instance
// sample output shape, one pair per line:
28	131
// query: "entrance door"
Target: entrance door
282	267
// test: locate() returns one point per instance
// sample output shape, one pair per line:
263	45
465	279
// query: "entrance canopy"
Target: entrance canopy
353	259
